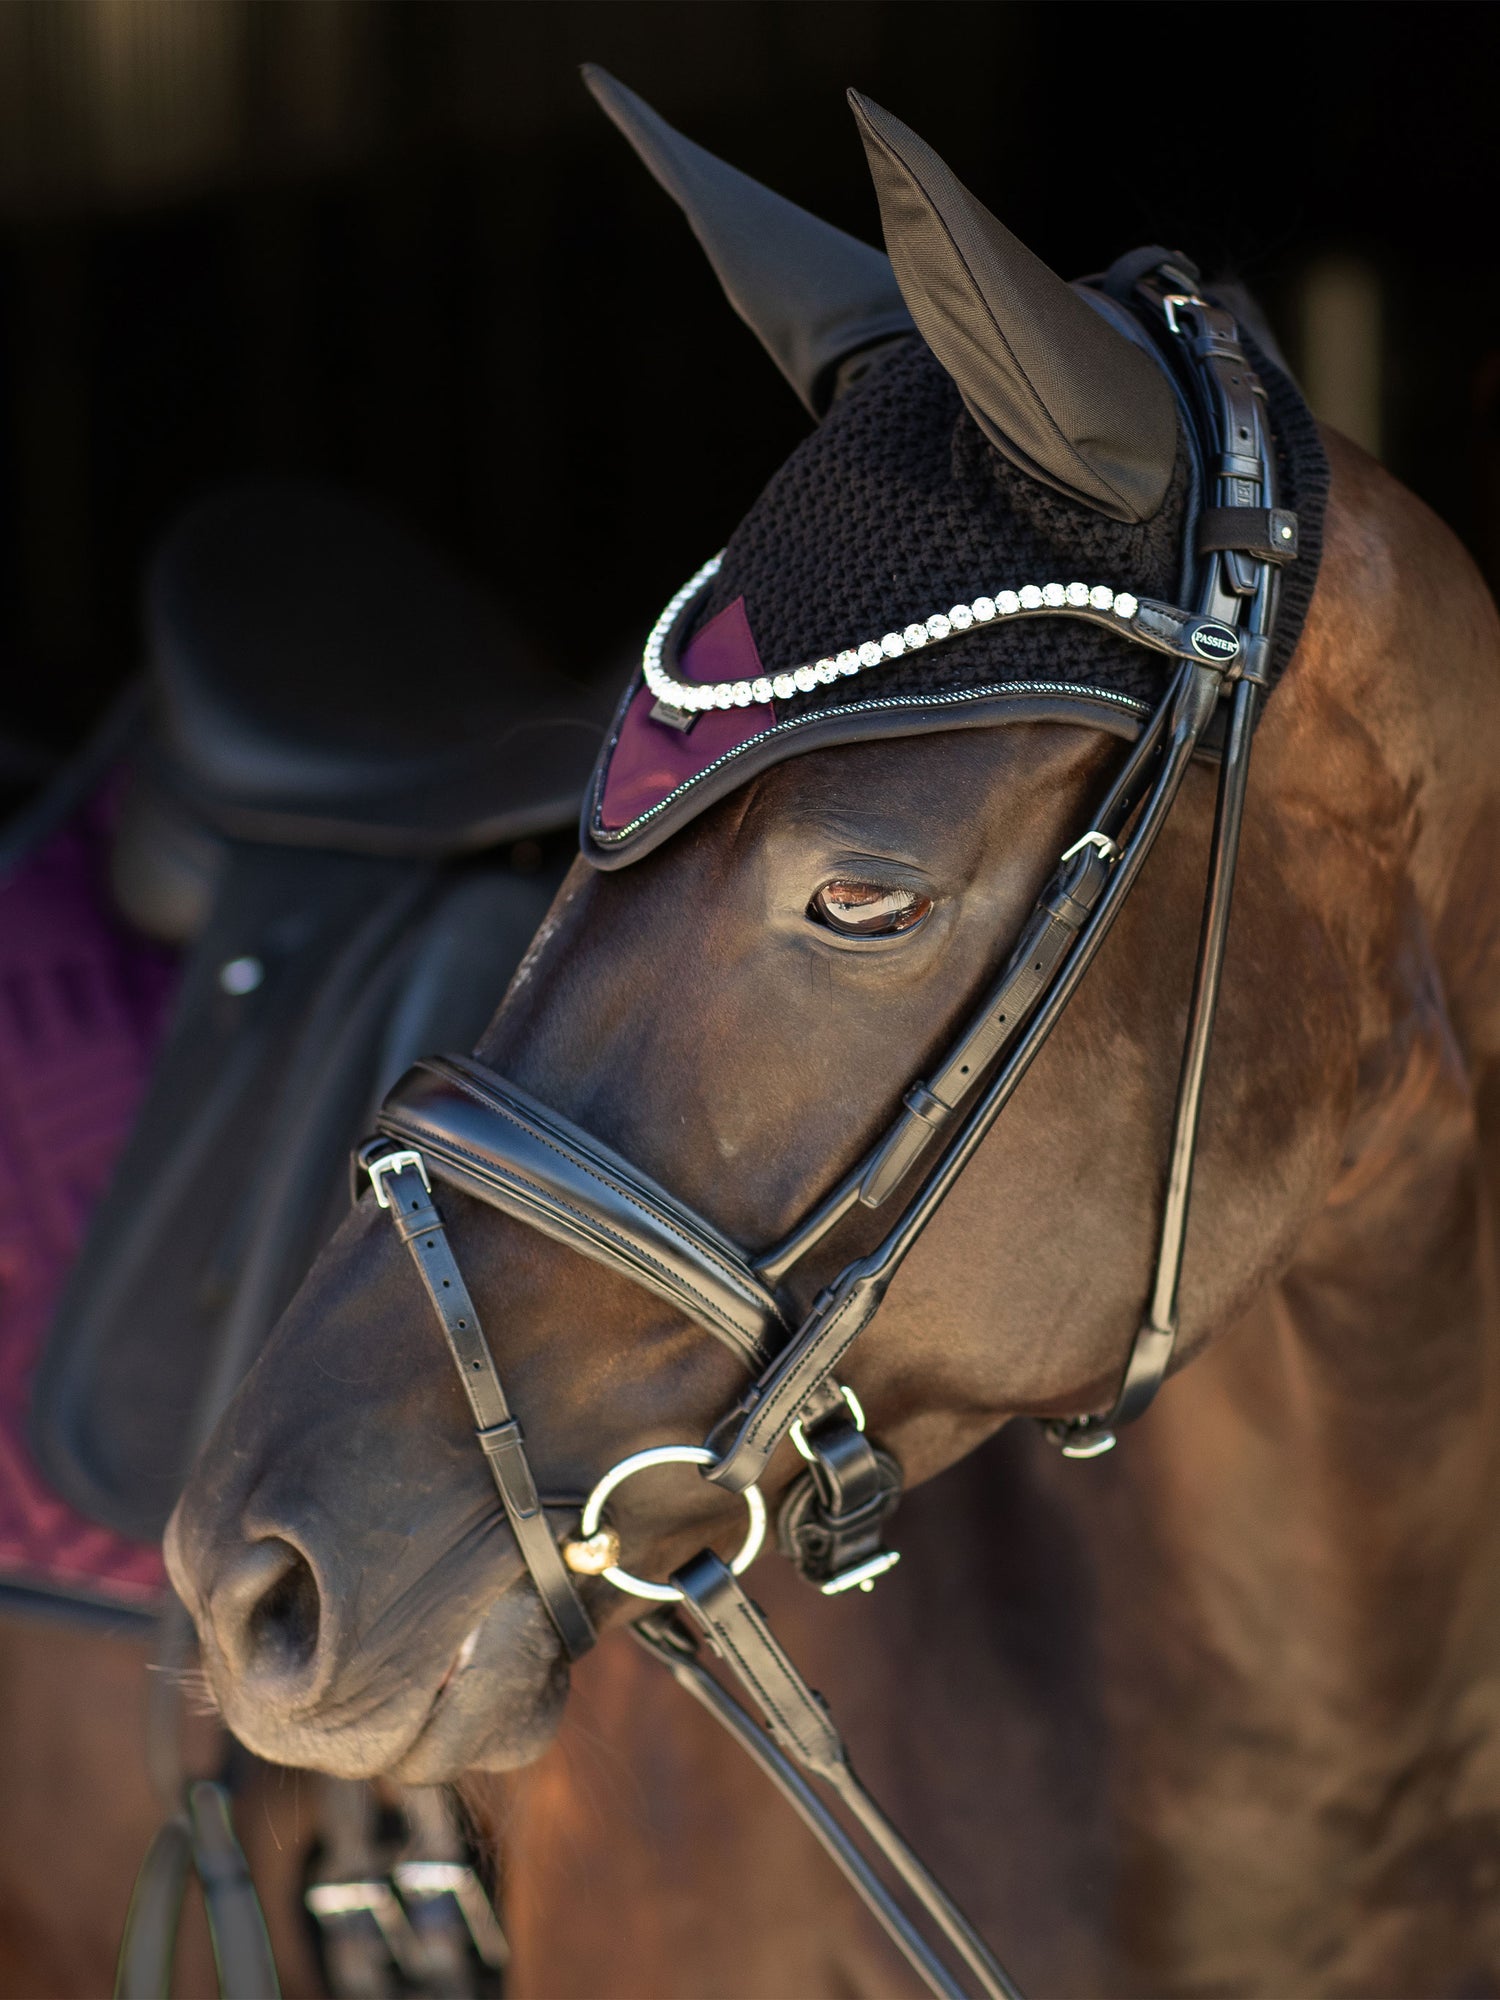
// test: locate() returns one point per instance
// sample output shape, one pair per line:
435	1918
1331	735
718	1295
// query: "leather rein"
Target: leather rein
454	1120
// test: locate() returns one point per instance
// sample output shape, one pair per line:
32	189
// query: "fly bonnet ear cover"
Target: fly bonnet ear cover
1004	440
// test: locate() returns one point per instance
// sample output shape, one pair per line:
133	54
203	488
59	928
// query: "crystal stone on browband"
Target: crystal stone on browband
695	697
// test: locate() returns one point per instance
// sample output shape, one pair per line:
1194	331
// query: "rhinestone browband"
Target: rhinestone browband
1098	600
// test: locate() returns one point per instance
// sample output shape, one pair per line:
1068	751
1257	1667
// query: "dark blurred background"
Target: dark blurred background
394	244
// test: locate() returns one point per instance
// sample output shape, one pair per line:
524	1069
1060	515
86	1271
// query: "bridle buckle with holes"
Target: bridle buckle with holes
395	1163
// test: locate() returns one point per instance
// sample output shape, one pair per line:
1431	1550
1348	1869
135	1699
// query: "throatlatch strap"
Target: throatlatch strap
421	1230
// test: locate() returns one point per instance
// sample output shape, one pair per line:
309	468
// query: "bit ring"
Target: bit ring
640	1461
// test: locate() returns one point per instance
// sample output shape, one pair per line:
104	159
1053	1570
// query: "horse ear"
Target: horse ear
1061	392
813	295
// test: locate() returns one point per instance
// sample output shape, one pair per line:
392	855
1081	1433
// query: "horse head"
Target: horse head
786	909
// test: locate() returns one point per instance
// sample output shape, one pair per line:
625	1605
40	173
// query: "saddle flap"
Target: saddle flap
495	1141
317	979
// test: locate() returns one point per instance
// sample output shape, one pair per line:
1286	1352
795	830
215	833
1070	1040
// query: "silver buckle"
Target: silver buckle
425	1881
1108	849
799	1436
1173	300
328	1901
394	1163
863	1575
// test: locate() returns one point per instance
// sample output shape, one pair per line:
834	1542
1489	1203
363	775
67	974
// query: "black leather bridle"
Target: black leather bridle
456	1120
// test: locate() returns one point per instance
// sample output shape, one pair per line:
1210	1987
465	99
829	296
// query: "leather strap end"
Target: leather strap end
1145	1371
906	1141
738	1632
836	1321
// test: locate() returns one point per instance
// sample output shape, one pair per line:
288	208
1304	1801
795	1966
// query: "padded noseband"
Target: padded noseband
491	1139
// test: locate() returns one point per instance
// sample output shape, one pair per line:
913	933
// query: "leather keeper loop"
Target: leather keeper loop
831	1523
921	1102
1267	533
1215	346
502	1445
414	1222
1254	662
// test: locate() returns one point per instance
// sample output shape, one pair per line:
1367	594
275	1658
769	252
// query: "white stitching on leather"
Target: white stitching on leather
482	1097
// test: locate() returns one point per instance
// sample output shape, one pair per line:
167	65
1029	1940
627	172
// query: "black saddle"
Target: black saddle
328	680
349	809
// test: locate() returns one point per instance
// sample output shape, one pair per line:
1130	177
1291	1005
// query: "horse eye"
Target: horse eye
868	909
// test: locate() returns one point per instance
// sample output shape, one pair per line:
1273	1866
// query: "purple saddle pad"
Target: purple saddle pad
83	1008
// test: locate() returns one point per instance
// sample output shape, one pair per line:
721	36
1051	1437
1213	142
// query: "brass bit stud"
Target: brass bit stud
593	1555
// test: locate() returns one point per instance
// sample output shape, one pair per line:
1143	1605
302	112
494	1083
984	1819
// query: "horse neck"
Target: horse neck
1376	1350
1333	1456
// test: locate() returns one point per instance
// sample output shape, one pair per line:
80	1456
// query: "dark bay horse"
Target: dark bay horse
1219	1713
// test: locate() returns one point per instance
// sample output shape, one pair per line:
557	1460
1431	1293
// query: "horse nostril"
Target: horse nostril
267	1612
284	1624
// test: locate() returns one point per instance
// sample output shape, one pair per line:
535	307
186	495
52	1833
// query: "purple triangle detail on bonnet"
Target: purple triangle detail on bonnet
650	760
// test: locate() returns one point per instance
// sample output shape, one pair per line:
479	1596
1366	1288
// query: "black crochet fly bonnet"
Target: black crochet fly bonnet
906	500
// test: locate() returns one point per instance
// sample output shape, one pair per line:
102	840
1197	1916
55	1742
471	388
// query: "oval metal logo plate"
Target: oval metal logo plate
1212	641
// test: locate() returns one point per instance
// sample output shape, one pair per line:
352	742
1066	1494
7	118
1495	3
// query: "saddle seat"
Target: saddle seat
326	679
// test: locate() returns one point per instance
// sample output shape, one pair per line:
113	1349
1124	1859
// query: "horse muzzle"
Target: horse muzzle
441	1681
